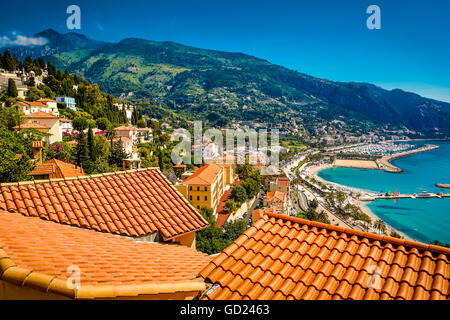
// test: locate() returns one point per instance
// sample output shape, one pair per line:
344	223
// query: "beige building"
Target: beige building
42	105
44	122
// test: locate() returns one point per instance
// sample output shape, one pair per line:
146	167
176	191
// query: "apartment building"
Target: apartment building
205	186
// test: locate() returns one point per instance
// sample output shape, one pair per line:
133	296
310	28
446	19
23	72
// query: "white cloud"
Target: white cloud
21	41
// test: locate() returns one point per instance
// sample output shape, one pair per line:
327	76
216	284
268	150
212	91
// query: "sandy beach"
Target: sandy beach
362	164
313	171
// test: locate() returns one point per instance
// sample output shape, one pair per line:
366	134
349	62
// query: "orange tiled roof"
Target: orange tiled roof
282	182
58	168
125	128
132	203
46	100
36	254
40	115
203	176
32	125
281	257
275	196
31	103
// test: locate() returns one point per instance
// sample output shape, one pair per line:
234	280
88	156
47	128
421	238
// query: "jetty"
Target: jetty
405	196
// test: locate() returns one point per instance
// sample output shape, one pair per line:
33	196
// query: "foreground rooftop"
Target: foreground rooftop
35	256
281	257
131	203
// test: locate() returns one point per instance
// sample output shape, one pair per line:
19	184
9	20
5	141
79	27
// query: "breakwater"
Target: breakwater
385	162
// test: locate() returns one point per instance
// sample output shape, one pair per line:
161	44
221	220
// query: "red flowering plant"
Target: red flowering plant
59	150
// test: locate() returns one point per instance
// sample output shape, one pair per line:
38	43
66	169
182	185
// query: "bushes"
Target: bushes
238	194
210	240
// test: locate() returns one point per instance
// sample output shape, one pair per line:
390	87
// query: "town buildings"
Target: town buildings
280	184
205	186
43	105
69	101
44	122
131	136
277	200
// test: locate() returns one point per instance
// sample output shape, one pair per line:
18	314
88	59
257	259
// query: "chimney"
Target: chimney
37	151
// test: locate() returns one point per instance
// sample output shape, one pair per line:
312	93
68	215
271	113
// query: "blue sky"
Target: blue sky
323	38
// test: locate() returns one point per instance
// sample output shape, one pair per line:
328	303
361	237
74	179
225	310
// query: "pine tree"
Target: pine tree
117	154
8	62
124	114
82	151
12	89
91	145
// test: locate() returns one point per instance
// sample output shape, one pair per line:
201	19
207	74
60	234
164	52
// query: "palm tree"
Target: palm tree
380	226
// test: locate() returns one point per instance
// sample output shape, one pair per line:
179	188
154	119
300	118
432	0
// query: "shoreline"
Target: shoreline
363	205
385	165
385	162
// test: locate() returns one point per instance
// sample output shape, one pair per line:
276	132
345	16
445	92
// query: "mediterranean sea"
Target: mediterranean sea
424	220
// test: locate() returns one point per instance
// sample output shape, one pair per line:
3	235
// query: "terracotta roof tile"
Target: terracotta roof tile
275	196
40	115
132	203
204	175
32	125
58	169
37	253
281	257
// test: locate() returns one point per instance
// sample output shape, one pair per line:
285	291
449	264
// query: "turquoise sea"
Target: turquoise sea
424	220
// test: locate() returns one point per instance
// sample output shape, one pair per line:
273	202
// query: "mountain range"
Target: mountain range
201	83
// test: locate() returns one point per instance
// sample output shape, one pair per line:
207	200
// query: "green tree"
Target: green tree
58	150
234	230
8	61
314	204
80	123
141	123
15	161
82	151
117	154
35	94
208	214
103	124
380	225
12	89
211	240
91	145
231	206
251	187
10	117
238	194
248	171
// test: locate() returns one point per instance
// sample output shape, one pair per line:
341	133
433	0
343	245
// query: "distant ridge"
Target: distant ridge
219	86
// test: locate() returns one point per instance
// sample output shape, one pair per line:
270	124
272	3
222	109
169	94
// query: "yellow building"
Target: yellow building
205	186
228	163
